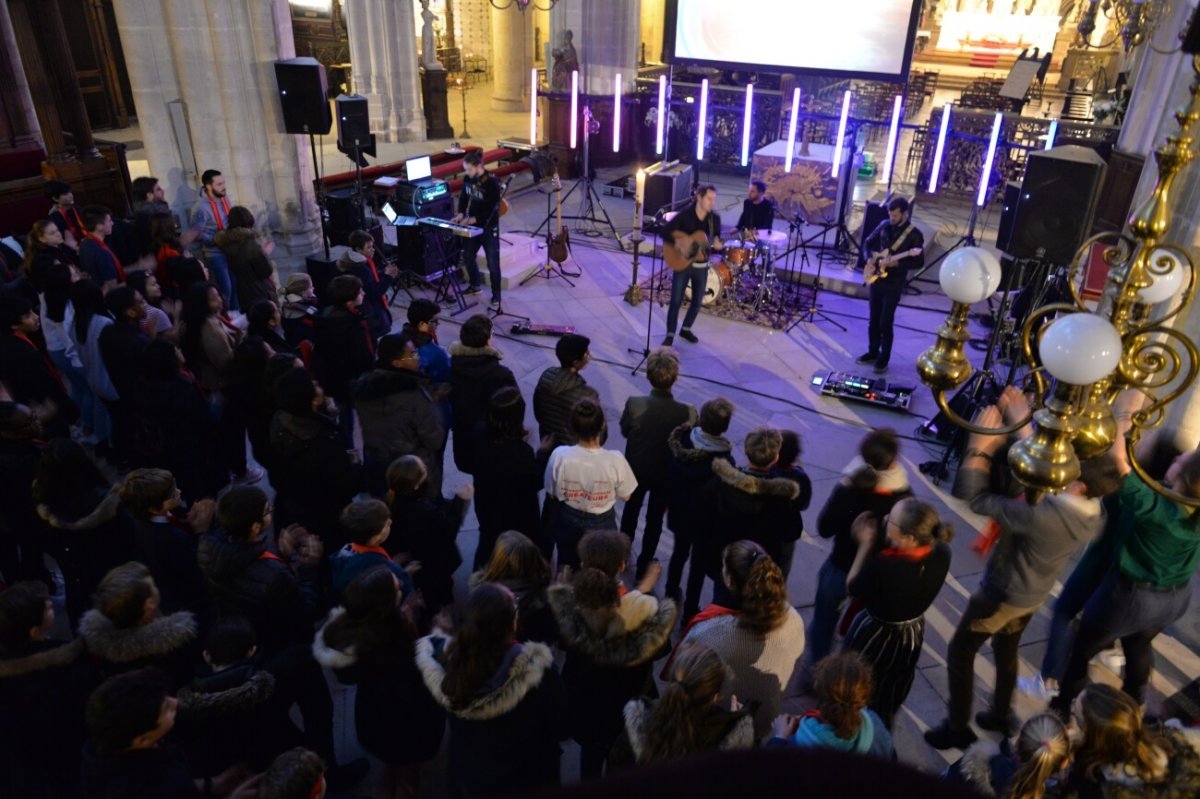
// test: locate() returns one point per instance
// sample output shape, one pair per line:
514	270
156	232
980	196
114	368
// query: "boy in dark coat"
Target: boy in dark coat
560	387
475	375
359	261
342	346
646	423
27	371
368	524
693	448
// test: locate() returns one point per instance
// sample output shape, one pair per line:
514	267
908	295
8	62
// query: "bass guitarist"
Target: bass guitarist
479	204
894	235
696	218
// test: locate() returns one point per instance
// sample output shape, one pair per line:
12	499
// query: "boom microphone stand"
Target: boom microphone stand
966	240
812	312
590	199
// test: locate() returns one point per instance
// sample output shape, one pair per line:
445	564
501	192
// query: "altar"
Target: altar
810	189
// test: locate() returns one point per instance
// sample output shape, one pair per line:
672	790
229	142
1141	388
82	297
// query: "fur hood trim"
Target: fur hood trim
458	349
751	484
976	766
43	660
197	703
680	444
326	655
160	637
637	716
525	674
626	649
105	511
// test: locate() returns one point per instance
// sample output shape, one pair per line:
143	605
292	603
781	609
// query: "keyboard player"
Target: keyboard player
479	204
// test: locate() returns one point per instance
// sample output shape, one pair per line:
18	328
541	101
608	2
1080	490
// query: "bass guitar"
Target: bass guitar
685	249
880	262
559	247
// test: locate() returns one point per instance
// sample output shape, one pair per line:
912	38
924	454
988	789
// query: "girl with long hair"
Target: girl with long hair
896	587
505	703
44	246
90	318
368	641
761	639
687	719
518	565
1025	768
841	720
507	476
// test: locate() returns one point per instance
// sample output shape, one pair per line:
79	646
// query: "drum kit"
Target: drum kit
744	273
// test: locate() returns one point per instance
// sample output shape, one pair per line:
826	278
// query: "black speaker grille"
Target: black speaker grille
1058	198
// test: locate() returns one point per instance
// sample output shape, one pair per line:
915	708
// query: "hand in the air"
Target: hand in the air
865	529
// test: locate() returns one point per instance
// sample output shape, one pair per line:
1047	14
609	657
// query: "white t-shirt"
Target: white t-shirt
589	480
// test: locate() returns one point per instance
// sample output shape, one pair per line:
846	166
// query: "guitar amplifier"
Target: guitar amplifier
667	186
417	198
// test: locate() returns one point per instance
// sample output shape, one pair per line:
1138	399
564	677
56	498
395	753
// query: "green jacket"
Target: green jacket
1161	543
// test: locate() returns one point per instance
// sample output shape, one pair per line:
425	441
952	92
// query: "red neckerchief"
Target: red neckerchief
318	788
224	204
621	589
362	322
711	612
179	523
49	364
74	222
113	255
916	553
267	554
165	252
362	549
375	274
191	378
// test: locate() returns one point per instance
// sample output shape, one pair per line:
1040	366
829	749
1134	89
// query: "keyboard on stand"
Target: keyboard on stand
454	229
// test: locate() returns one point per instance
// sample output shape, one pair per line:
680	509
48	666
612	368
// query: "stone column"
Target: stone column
383	52
19	122
217	56
62	67
41	84
607	40
512	58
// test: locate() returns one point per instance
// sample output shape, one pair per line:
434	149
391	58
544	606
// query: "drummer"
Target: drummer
758	212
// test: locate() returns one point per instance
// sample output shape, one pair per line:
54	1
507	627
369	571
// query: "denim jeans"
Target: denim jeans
218	269
831	592
490	241
883	302
571	524
1076	591
698	277
77	386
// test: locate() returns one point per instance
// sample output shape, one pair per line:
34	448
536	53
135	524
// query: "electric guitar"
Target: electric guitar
685	249
880	262
558	249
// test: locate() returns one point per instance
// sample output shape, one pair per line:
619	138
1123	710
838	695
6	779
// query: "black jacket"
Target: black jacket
19	522
342	349
400	417
844	505
31	379
376	283
44	686
508	477
475	375
249	265
159	772
506	741
425	527
605	666
233	716
174	429
313	474
121	348
690	471
280	602
168	643
738	506
557	391
395	717
170	553
647	423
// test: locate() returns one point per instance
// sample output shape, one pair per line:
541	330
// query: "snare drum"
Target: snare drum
720	276
739	258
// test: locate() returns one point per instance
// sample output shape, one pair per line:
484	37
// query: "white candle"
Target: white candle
639	198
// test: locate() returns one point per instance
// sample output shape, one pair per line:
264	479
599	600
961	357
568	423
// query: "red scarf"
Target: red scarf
216	215
111	254
987	538
916	553
267	554
362	549
362	322
49	364
375	274
711	612
74	222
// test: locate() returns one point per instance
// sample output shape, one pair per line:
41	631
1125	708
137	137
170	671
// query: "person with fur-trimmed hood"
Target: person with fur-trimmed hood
749	504
693	450
1023	768
607	664
475	375
44	686
124	630
505	702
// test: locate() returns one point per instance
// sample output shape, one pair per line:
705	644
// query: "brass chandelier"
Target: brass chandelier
523	4
1133	20
1083	359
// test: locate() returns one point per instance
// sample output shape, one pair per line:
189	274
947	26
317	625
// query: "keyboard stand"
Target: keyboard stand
449	290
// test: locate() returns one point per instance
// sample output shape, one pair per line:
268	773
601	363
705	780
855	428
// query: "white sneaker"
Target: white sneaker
1036	687
1114	659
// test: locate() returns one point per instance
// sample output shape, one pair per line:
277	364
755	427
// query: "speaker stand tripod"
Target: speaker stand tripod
812	313
965	240
590	199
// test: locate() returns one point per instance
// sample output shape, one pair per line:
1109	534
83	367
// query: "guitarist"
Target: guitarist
896	234
698	217
479	204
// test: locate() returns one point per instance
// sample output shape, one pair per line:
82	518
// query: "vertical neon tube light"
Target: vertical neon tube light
746	123
893	132
791	144
841	137
662	113
574	108
533	107
703	119
617	113
985	176
941	149
1050	134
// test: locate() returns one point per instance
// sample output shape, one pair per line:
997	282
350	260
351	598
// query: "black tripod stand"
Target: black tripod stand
590	199
655	263
811	312
493	227
965	240
551	269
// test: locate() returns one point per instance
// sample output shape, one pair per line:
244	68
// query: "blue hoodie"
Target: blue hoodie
872	737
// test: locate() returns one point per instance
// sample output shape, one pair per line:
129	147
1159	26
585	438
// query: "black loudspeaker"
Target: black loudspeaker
668	188
1058	198
303	94
419	248
321	270
343	215
1008	213
353	121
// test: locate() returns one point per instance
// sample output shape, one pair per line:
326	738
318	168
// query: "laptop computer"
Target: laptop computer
418	169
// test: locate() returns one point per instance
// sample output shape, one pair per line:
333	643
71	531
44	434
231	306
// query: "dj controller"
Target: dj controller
876	391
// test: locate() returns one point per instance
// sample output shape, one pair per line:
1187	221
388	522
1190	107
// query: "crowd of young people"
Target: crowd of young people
206	614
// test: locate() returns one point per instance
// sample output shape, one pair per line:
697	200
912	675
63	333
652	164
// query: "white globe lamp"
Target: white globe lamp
970	275
1080	348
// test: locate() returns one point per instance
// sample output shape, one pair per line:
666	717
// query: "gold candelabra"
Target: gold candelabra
1081	360
1133	20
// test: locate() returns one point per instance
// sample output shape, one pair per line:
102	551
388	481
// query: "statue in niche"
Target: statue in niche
566	61
429	58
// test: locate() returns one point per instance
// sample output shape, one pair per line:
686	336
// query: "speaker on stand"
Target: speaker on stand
1058	198
303	93
355	139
